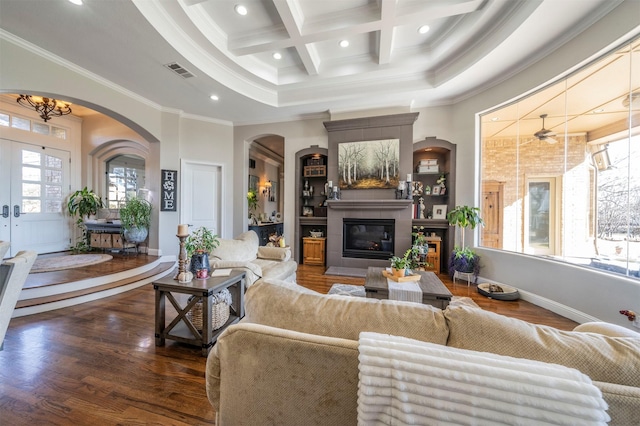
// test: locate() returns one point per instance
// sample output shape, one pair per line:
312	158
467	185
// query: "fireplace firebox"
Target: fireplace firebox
368	238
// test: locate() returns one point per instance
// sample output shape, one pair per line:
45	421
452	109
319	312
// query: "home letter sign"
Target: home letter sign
169	189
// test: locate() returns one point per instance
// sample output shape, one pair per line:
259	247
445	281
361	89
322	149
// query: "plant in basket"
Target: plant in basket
198	246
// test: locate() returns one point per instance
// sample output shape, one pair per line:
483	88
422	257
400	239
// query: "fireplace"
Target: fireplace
368	238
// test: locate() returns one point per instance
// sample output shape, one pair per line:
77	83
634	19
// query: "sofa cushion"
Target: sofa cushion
606	329
274	253
345	317
276	270
602	358
243	248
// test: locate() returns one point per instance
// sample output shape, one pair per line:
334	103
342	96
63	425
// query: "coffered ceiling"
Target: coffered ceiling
470	46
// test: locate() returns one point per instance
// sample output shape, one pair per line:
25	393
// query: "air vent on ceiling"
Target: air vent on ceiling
180	70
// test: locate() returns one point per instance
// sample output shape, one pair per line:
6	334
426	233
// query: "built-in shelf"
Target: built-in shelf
369	204
431	223
312	220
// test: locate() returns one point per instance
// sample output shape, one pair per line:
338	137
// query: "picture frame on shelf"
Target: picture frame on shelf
439	211
436	190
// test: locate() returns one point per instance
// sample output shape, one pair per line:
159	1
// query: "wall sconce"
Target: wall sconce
266	190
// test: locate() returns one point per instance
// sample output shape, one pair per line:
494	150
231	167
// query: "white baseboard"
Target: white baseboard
555	307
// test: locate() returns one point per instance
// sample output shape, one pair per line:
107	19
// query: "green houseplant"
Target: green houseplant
198	246
399	265
136	219
83	203
252	201
464	259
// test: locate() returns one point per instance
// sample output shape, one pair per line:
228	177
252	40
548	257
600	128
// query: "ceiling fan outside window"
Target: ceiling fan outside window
544	134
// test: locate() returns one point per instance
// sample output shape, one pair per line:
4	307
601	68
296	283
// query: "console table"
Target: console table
266	229
181	328
107	236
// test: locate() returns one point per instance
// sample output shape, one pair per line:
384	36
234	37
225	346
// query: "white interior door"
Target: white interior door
5	191
201	195
37	183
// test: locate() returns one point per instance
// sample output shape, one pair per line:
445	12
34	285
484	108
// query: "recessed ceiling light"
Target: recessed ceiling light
598	111
277	55
344	43
241	10
423	29
495	118
214	97
77	2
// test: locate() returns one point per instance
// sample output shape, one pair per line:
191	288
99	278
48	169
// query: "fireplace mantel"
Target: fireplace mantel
369	204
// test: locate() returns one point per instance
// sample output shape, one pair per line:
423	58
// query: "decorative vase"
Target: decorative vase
136	235
200	265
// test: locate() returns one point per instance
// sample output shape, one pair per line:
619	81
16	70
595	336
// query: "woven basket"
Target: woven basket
219	311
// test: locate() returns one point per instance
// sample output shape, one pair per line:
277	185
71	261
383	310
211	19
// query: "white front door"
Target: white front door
35	182
201	195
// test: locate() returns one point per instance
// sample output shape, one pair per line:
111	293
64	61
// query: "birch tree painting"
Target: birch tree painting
368	164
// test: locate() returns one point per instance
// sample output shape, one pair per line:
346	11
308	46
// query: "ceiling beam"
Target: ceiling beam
292	18
387	30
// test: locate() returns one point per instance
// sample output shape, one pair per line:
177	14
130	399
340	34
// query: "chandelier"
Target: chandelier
45	107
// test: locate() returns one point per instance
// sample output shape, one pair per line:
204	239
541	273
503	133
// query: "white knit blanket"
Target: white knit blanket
408	291
407	382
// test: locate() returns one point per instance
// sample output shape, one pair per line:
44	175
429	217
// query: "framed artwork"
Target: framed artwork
169	185
253	183
436	190
369	164
439	211
273	191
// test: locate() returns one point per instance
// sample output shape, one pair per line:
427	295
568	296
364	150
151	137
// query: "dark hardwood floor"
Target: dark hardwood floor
97	363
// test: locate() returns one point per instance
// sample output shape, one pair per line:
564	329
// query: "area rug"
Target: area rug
60	263
346	272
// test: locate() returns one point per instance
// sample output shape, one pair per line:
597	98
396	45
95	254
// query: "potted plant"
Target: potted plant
136	220
83	203
252	201
463	259
198	246
399	265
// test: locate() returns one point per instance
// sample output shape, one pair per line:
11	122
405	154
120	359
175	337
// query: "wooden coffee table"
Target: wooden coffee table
434	291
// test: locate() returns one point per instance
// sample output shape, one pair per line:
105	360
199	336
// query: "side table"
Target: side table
181	328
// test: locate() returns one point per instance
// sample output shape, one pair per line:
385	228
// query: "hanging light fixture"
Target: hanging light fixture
47	108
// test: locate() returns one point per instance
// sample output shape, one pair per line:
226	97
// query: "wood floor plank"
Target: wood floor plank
97	363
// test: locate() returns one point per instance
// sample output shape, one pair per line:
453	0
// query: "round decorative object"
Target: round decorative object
136	235
278	217
185	277
498	291
200	265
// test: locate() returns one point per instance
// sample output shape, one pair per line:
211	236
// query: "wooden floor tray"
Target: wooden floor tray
389	275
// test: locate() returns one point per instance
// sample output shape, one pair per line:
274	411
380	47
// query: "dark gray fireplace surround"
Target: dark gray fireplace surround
371	204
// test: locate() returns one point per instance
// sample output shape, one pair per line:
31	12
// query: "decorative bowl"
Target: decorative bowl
316	234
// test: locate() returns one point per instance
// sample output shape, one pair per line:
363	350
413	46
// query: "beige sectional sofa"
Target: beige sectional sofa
294	358
244	252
